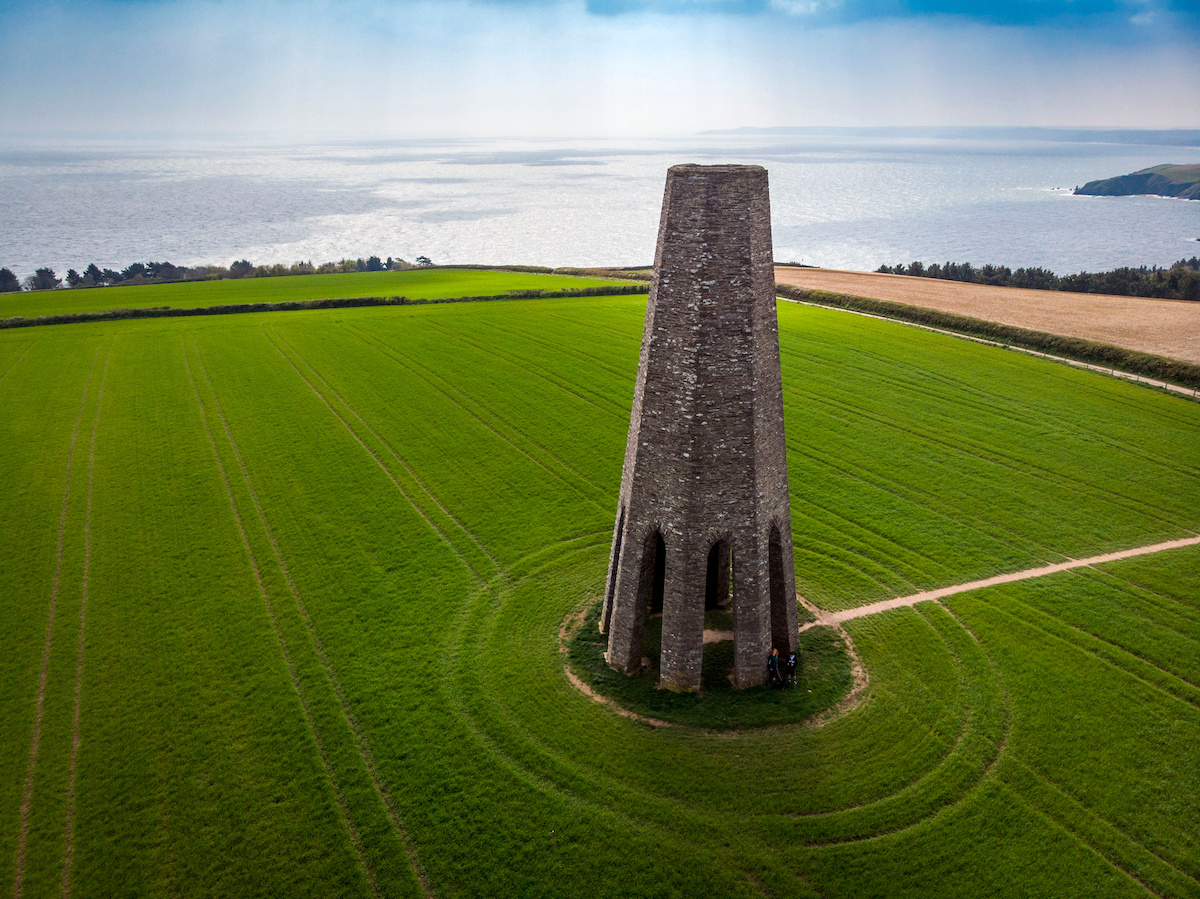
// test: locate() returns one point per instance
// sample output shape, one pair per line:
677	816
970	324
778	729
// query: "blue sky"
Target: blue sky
589	68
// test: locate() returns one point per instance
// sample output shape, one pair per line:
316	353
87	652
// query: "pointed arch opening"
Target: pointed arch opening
658	567
652	574
717	580
780	638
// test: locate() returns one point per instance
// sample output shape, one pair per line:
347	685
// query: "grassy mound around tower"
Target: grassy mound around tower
823	678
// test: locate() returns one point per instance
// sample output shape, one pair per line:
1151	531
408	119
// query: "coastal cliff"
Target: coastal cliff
1162	180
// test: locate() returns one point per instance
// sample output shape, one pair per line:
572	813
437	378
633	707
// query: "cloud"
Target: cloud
829	12
278	69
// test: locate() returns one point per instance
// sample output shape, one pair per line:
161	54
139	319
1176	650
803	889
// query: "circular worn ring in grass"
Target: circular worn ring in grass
824	680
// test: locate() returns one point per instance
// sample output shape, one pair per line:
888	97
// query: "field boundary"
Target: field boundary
105	315
1133	365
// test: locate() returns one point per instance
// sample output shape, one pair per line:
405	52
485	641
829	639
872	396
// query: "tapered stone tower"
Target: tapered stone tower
704	495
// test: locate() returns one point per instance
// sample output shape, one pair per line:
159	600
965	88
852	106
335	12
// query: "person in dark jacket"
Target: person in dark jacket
790	665
773	670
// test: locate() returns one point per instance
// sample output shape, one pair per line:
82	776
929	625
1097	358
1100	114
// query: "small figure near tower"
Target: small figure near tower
704	507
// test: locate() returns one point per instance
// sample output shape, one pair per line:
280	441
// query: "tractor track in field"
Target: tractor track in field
970	446
471	535
931	503
442	535
999	748
861	679
524	365
343	810
447	389
483	586
1036	807
15	361
390	353
994	406
548	784
40	702
69	827
360	741
1030	615
1032	611
1058	788
1000	458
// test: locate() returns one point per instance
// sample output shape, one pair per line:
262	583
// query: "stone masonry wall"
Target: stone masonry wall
705	459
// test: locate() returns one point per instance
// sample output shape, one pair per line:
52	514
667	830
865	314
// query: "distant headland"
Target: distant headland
1181	181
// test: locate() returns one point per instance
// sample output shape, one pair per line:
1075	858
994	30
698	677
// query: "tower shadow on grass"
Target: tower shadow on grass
824	678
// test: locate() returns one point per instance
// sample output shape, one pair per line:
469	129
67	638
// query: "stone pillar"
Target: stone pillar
705	461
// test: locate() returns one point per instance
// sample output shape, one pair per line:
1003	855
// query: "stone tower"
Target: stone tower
704	494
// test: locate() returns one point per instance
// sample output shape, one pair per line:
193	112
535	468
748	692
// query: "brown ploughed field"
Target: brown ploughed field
1164	327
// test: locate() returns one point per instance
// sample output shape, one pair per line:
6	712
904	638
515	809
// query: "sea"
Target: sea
840	198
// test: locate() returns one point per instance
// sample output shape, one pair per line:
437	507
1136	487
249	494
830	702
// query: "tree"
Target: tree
9	283
74	278
43	279
93	274
134	271
163	271
373	264
424	262
243	268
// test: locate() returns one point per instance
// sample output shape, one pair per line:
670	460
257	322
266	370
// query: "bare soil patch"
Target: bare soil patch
1163	327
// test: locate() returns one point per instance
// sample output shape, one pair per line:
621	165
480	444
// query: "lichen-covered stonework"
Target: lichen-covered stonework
705	463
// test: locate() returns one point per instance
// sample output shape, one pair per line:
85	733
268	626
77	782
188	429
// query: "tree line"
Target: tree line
1180	281
161	272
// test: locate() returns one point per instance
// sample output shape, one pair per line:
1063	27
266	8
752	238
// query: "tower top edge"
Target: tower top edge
691	168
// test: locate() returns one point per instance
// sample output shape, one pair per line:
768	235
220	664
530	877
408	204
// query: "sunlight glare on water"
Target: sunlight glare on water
842	201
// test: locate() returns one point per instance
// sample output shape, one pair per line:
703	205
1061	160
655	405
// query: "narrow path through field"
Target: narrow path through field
835	618
69	830
40	703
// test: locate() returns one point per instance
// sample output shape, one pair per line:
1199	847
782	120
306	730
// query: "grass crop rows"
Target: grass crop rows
329	554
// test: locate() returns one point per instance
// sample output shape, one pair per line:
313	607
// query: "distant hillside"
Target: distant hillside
1162	180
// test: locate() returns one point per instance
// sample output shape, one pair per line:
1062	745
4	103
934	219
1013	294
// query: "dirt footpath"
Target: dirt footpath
1163	327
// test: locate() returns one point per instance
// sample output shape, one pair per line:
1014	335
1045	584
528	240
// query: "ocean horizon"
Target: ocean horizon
841	198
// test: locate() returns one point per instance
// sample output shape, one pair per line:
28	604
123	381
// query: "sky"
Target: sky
412	69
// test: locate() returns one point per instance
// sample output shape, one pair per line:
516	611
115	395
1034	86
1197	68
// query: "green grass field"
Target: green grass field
326	556
416	284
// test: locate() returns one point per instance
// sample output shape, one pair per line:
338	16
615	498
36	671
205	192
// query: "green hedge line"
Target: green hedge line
102	315
1159	367
631	273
